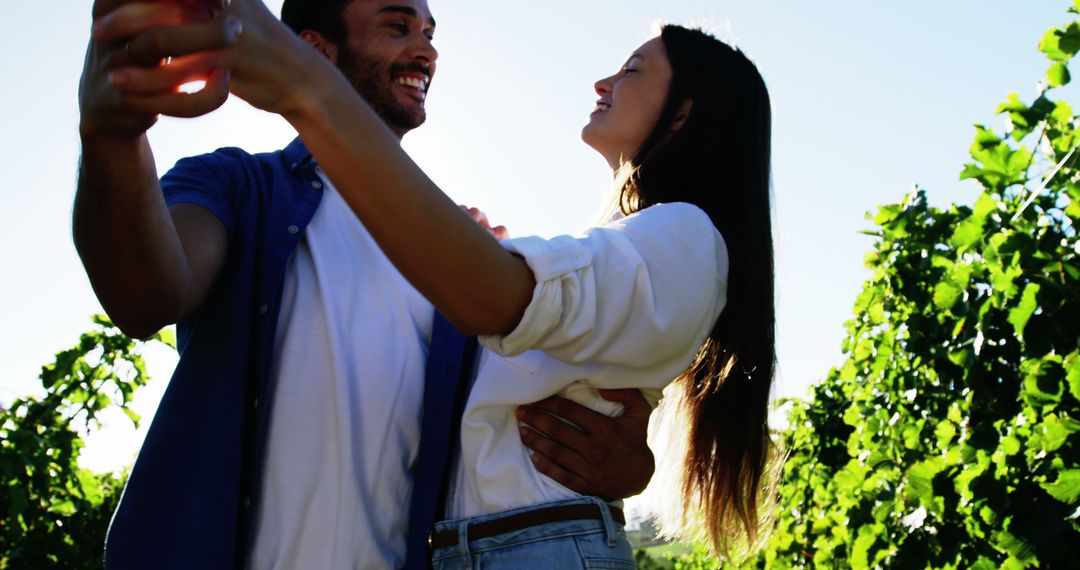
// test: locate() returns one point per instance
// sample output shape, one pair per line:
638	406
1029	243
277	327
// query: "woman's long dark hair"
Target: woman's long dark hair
719	161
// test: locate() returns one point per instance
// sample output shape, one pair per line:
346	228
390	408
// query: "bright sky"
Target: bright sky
868	97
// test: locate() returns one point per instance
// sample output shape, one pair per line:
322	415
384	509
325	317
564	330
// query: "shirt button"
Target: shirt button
255	403
247	502
294	230
263	309
316	184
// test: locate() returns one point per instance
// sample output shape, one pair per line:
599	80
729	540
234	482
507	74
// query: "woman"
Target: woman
647	298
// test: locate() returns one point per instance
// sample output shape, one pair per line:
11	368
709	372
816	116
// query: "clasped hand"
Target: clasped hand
141	52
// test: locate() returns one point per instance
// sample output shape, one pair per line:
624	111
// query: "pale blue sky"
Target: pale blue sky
869	97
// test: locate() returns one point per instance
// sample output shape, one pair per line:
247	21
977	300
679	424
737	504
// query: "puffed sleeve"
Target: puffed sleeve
642	292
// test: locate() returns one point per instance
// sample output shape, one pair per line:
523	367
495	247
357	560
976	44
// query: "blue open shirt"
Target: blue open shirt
188	500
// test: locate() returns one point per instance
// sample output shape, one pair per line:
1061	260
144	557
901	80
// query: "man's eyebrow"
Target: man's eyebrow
406	10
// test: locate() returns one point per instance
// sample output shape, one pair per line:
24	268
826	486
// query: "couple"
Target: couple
303	282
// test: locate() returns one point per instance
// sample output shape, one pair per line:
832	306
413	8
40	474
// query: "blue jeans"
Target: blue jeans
551	546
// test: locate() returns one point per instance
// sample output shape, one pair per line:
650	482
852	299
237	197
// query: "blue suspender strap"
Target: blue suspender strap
445	389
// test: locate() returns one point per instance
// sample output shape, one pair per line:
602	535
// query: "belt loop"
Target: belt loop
463	543
609	522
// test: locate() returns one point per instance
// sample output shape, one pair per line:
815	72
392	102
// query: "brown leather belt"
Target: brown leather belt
521	521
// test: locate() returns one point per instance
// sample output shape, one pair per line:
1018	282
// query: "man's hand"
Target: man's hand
123	39
603	456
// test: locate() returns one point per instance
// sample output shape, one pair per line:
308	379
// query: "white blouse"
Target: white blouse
626	305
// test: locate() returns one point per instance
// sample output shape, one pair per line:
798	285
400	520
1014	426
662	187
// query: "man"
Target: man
289	433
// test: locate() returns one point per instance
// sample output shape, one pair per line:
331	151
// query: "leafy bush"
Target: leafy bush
948	437
54	513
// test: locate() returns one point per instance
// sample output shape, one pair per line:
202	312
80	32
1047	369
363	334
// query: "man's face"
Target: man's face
389	59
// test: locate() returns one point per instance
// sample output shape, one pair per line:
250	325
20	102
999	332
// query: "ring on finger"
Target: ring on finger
128	55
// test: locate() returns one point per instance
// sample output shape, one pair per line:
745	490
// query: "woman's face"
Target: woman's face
630	104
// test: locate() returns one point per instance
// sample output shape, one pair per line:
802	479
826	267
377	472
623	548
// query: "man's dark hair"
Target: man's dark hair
323	16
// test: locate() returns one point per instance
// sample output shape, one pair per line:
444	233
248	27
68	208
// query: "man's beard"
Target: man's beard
375	84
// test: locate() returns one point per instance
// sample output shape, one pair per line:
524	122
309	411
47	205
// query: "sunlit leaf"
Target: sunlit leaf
134	417
1066	488
946	295
1019	315
62	508
945	432
1072	374
1019	548
167	336
1057	430
1058	75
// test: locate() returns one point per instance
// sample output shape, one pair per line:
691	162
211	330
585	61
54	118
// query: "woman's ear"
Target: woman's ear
322	45
681	115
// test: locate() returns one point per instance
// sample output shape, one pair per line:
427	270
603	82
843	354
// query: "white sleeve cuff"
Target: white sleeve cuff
549	261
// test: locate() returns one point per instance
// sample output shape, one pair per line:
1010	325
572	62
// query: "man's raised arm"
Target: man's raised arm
149	265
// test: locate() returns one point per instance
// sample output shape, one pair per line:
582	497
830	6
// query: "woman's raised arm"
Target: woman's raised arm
456	264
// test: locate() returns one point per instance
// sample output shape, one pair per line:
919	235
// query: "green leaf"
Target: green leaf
1012	104
1073	210
1072	372
852	416
1051	45
1057	430
90	488
1069	41
887	214
984	206
1062	114
1040	388
63	508
1067	487
967	235
167	336
1019	315
135	418
1018	162
1019	548
851	477
945	432
1058	75
984	137
1009	445
864	349
861	549
1012	563
946	295
921	479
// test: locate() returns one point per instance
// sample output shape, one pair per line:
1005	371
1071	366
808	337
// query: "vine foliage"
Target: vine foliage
948	438
53	513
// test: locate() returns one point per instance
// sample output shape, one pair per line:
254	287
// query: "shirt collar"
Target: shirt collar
297	156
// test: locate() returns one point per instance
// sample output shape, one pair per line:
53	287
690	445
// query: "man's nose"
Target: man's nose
422	48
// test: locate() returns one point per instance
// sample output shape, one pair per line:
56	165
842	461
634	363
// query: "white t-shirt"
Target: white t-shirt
350	353
627	305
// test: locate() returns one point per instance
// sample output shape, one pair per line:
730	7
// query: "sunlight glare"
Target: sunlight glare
192	86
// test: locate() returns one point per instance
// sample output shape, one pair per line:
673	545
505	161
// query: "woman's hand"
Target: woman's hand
265	63
481	218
